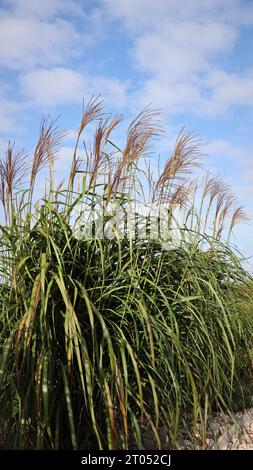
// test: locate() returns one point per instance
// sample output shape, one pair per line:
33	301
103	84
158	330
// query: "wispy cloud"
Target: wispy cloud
192	59
43	10
181	47
30	41
56	86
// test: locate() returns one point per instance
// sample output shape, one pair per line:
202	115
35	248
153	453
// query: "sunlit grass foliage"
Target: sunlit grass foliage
105	340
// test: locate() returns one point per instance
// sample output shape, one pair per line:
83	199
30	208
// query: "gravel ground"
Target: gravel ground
225	432
238	436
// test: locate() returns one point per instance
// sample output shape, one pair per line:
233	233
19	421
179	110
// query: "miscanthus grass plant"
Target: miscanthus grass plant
103	339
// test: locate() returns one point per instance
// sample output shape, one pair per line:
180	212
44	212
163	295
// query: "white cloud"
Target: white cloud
171	98
7	124
177	51
43	10
53	87
180	46
42	33
9	110
222	149
177	45
230	88
60	86
113	90
29	42
241	180
148	14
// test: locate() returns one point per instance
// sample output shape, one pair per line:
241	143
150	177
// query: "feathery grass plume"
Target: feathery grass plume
225	202
184	158
225	212
47	147
212	187
92	112
180	197
13	168
100	160
111	125
239	215
142	130
222	199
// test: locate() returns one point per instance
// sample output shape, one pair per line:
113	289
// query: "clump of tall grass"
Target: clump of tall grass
104	337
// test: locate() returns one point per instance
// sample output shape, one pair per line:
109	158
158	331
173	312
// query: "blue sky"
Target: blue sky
192	59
